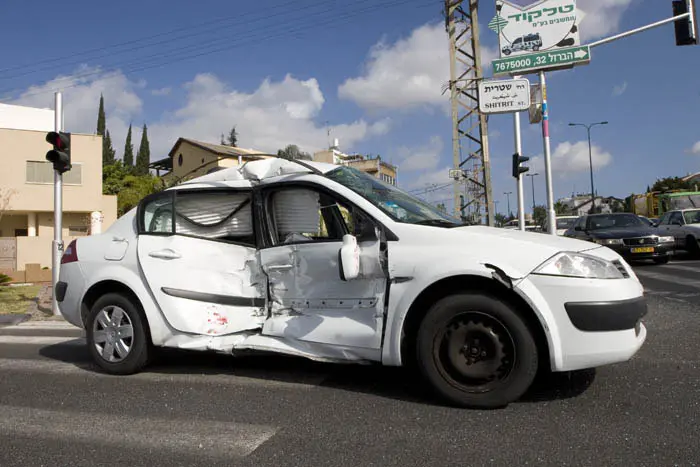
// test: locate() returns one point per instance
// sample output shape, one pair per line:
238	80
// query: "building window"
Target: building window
21	232
77	230
42	172
179	160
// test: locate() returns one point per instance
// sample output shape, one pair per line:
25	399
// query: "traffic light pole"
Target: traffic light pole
518	150
57	246
551	218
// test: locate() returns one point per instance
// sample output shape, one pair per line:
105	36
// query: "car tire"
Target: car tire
476	351
506	52
536	48
116	335
691	246
663	260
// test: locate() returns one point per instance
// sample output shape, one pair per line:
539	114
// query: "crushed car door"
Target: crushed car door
196	249
308	298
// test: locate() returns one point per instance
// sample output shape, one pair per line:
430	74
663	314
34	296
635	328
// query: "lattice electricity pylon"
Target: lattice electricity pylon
468	124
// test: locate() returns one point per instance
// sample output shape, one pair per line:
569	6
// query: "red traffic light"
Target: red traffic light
59	140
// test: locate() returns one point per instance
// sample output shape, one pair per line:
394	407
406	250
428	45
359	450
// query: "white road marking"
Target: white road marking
41	340
191	436
44	325
173	374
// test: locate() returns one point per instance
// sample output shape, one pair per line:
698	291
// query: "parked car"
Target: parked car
625	233
329	263
684	226
564	223
531	42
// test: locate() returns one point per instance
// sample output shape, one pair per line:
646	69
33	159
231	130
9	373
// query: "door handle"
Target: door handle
165	254
280	267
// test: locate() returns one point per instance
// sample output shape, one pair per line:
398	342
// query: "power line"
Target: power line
179	58
146	38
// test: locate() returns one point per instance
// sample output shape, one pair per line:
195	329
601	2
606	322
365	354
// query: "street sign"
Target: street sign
559	58
526	26
504	96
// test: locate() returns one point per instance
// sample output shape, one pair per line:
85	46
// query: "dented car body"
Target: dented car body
328	263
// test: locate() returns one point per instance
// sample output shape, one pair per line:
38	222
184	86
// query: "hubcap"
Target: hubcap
474	352
113	334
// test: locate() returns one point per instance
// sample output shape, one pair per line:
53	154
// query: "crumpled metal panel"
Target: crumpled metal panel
259	170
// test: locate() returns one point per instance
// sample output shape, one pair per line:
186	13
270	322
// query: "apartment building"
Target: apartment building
374	166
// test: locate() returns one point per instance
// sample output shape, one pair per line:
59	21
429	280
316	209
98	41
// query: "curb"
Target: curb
13	320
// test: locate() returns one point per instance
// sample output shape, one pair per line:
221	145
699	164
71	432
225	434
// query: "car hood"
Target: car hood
514	251
623	233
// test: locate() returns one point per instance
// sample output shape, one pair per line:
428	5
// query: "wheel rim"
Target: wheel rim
112	334
474	352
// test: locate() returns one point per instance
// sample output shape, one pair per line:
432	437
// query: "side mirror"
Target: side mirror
349	258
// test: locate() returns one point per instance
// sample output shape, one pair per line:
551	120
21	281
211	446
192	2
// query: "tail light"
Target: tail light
70	254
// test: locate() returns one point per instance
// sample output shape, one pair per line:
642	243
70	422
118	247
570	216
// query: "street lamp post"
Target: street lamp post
590	156
532	178
508	193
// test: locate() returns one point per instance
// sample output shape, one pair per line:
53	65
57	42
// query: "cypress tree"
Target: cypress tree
143	158
128	151
101	118
107	150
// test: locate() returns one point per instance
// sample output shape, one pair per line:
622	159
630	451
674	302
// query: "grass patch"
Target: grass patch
17	299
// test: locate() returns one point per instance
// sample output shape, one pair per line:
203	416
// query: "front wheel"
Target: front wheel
476	351
116	335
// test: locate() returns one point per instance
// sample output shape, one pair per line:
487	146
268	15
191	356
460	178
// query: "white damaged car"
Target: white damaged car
329	263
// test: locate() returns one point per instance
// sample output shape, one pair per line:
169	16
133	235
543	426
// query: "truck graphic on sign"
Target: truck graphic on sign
531	42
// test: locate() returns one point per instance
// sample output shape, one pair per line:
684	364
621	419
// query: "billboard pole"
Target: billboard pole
57	245
551	219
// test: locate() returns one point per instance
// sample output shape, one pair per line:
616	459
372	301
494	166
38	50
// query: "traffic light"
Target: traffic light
517	169
60	154
686	29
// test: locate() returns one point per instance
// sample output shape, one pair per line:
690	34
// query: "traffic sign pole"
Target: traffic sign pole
57	245
551	220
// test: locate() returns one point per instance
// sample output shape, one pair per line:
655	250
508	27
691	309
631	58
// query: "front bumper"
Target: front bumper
639	252
589	322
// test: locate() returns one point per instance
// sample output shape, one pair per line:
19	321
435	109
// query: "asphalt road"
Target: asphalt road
194	409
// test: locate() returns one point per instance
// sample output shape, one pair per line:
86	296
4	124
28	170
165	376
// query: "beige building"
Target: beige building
373	166
190	158
26	193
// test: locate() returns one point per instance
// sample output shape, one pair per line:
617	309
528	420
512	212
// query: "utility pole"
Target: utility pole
508	193
465	72
57	246
533	190
590	156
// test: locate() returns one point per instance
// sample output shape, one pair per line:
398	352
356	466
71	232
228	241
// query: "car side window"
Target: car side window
665	219
580	222
676	218
212	215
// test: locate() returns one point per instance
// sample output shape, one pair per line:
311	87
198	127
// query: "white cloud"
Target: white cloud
411	72
619	89
162	91
602	17
81	96
570	158
267	119
435	177
696	148
425	157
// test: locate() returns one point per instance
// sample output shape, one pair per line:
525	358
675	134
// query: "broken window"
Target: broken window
220	215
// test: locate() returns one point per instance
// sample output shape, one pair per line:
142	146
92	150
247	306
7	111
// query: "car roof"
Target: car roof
253	172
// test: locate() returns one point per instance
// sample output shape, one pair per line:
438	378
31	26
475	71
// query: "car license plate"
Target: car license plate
643	249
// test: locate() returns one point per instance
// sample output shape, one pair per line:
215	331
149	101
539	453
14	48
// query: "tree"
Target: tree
232	139
561	209
143	158
128	150
292	152
118	179
101	118
500	219
442	208
5	199
671	183
539	216
108	151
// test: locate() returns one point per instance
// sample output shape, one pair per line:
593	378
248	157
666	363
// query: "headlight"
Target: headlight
609	241
579	265
666	239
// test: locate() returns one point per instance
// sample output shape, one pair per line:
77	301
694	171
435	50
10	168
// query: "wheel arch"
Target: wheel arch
107	286
469	283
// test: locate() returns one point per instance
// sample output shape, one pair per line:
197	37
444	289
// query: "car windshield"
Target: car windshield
396	203
692	217
614	221
565	223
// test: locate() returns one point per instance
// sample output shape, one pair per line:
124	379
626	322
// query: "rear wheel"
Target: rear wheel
116	335
476	351
691	245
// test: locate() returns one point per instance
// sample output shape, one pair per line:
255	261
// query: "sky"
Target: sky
370	73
